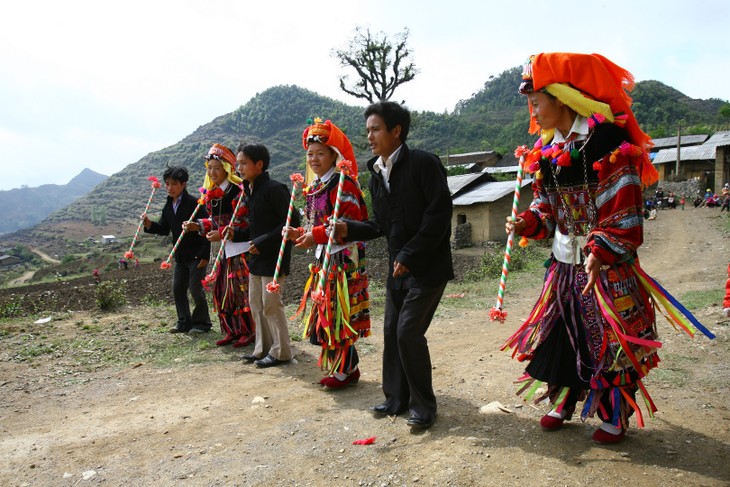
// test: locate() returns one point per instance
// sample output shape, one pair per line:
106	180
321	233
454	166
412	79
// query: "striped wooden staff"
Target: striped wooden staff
155	183
318	294
273	286
497	313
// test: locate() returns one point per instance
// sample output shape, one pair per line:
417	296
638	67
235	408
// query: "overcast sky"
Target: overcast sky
100	84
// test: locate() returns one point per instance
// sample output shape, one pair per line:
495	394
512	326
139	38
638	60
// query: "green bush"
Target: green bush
491	264
111	295
11	309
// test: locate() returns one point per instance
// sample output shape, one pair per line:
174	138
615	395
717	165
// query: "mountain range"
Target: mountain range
25	207
494	118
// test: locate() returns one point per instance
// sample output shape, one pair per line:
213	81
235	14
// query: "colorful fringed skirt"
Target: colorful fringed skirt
230	297
596	347
344	315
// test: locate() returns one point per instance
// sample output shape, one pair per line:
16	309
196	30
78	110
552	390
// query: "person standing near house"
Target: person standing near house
412	209
268	202
191	257
592	334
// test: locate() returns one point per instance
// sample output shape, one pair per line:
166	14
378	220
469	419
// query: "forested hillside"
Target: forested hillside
494	118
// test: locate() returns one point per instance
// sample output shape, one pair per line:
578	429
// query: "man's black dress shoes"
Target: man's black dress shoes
420	423
384	410
269	361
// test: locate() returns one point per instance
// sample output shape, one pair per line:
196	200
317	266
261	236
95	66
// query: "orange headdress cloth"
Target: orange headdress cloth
599	79
228	160
330	134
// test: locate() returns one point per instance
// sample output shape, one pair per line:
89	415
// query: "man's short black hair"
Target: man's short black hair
392	114
255	152
176	173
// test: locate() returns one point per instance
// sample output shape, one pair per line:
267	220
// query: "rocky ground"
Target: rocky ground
112	399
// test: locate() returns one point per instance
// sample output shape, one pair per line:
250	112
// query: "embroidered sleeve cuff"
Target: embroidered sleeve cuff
533	224
319	234
606	256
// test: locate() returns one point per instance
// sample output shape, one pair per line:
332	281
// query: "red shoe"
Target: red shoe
225	341
244	340
550	423
334	383
603	437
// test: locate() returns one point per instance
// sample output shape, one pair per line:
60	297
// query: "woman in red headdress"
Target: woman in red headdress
592	334
230	288
344	316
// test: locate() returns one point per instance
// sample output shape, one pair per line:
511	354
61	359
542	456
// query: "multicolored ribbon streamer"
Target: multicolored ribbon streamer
211	277
318	296
273	286
497	313
166	264
155	183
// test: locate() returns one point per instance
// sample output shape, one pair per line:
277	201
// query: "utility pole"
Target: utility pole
679	138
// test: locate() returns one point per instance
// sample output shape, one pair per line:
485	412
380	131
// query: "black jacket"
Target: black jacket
268	204
415	217
193	246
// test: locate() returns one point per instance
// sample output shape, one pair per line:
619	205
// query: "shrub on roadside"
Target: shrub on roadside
111	295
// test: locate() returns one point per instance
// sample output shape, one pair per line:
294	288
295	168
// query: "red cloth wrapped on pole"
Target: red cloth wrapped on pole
318	295
273	286
155	183
497	313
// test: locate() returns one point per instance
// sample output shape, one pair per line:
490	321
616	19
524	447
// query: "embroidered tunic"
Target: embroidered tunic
345	314
230	289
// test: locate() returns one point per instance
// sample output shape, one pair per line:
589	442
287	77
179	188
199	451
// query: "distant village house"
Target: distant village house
108	239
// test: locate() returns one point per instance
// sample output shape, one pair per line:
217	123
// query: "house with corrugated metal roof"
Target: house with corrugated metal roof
481	205
709	162
473	162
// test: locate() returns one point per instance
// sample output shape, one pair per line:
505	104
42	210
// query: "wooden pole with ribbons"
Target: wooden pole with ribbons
155	183
273	286
497	312
318	295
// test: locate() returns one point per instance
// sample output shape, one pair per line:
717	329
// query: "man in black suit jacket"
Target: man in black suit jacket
412	208
191	256
267	202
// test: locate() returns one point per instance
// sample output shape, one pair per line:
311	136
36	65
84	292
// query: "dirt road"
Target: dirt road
226	423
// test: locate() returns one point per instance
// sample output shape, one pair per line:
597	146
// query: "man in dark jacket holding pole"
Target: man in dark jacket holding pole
191	256
412	208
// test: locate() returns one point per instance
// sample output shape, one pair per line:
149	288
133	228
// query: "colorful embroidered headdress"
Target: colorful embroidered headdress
226	157
330	135
593	87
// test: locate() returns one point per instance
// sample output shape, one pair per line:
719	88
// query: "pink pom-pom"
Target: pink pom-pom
155	182
497	314
296	178
345	166
521	151
564	159
273	287
129	254
165	265
318	296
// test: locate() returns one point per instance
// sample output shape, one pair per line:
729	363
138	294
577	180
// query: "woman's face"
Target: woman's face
216	173
549	112
320	158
